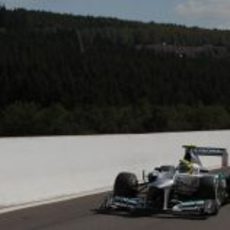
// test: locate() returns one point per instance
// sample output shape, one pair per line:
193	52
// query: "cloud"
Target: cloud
22	3
204	9
14	3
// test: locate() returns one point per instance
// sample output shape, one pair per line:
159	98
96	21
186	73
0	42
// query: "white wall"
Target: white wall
42	168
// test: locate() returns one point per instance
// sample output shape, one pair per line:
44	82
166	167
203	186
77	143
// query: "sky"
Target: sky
202	13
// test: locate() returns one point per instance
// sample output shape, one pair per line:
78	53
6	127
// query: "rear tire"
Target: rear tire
126	185
207	188
226	173
228	187
211	189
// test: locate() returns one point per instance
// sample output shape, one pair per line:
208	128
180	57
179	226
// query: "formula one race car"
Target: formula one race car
187	189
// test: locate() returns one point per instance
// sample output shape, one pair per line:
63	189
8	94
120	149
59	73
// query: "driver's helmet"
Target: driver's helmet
185	166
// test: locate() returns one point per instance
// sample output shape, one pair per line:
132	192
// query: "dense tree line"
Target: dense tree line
64	74
31	119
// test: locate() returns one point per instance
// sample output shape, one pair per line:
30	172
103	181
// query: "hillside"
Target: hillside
65	74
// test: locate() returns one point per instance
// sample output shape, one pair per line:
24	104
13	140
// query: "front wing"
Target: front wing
140	205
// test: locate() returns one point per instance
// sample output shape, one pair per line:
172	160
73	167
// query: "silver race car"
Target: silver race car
186	189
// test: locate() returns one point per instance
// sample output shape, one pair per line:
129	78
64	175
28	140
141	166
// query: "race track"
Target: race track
79	214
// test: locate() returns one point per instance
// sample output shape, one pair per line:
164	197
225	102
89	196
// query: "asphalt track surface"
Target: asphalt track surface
79	214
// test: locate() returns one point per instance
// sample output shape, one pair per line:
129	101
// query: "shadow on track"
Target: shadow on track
125	214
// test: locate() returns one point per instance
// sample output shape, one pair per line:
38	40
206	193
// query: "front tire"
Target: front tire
126	185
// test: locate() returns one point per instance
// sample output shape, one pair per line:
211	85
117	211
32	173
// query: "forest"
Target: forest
62	74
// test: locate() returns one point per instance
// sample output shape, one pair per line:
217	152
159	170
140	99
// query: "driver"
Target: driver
188	167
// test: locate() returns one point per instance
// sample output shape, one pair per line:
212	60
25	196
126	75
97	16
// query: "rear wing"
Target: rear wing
194	152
